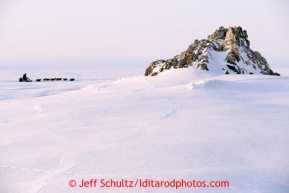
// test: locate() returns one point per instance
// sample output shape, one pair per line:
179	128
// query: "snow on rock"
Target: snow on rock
226	51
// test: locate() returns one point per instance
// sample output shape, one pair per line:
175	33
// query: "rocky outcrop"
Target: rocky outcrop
226	50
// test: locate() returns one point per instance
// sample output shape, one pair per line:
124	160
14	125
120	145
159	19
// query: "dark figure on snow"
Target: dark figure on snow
24	77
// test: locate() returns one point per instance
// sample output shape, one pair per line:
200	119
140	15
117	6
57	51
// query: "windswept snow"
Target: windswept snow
182	124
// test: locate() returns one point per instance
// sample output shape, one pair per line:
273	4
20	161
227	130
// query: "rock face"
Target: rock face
226	50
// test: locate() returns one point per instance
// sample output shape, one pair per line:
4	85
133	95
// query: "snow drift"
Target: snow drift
182	124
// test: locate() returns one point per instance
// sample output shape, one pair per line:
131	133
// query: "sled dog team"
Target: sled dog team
26	79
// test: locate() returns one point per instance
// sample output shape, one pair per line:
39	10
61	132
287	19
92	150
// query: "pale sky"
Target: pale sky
154	29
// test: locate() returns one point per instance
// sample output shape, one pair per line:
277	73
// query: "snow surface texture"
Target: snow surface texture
183	124
226	51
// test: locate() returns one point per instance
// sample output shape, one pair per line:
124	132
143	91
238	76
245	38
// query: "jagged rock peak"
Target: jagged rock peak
226	50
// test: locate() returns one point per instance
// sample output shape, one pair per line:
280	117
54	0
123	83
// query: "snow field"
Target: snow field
182	124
